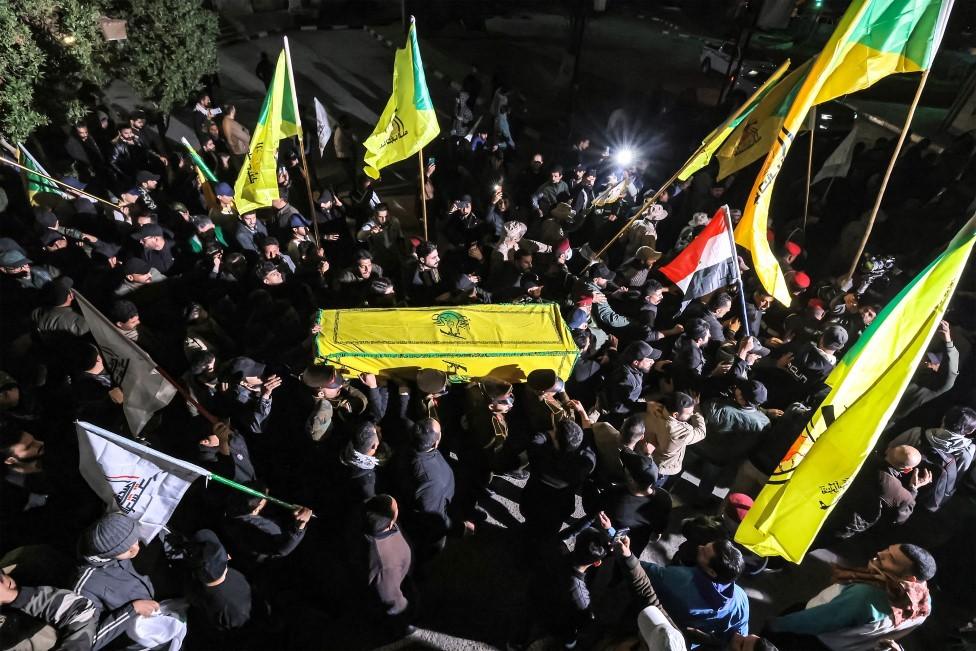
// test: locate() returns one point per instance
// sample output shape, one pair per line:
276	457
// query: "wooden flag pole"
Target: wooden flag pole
887	176
423	190
806	197
301	146
67	188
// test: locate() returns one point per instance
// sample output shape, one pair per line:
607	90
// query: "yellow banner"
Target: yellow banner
504	341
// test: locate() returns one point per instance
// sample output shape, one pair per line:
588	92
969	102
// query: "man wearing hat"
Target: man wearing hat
219	592
462	224
47	220
333	398
246	393
643	232
544	400
256	539
157	250
225	212
301	237
108	579
606	316
137	274
800	372
555	227
19	272
633	272
637	503
147	183
622	394
433	397
56	317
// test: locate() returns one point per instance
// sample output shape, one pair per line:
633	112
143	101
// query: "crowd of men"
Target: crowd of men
391	471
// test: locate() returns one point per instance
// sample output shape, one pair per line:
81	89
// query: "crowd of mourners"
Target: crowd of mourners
391	471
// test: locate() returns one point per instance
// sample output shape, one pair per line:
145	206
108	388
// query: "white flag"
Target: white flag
144	390
323	128
839	162
138	481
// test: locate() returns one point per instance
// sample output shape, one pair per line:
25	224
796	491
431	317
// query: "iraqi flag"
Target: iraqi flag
708	263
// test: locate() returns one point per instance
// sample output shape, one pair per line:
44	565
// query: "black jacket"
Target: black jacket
257	539
226	606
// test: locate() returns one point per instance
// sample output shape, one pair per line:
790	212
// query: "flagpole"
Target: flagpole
806	197
253	493
735	262
186	395
301	144
423	189
66	187
887	176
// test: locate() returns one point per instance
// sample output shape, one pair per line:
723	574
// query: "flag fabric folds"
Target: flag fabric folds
838	164
408	122
144	390
323	127
874	38
718	137
205	175
708	262
257	182
865	388
133	479
37	186
467	341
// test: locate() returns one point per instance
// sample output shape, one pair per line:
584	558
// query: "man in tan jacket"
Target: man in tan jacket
237	137
671	425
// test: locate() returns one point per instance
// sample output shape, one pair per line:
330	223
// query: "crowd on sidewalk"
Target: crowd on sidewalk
391	470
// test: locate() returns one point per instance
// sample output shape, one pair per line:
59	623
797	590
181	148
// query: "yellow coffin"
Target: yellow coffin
504	341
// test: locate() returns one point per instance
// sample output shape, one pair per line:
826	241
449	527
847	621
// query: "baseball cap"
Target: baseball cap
145	175
801	279
148	230
134	266
46	218
753	391
323	376
544	380
638	350
834	337
737	505
223	189
646	253
431	380
600	270
13	259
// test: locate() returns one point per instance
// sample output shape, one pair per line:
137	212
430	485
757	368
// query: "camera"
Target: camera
876	270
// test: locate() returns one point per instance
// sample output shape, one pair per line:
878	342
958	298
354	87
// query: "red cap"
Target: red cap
737	505
816	302
770	235
793	248
801	279
562	247
584	300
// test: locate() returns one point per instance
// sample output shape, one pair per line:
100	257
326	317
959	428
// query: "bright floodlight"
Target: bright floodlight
625	157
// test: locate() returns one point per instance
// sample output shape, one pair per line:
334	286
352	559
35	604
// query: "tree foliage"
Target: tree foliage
51	55
54	60
172	45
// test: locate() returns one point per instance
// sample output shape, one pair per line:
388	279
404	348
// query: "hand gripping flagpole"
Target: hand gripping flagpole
735	263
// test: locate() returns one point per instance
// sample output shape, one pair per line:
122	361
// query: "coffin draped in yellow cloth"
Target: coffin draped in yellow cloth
504	341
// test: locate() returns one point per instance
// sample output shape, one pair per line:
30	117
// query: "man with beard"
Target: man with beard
208	236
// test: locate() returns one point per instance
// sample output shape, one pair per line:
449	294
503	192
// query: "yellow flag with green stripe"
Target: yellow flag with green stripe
257	182
718	137
874	38
866	386
408	122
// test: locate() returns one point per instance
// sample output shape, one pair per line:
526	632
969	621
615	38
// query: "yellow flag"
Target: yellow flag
257	182
874	38
754	137
504	341
408	122
866	386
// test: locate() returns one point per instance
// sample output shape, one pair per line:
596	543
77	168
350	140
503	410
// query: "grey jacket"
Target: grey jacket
112	586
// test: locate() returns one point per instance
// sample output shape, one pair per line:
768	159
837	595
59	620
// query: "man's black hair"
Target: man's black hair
960	420
379	513
523	253
632	430
677	402
923	565
592	545
200	360
380	207
696	329
241	503
425	434
362	254
719	301
363	437
727	562
652	286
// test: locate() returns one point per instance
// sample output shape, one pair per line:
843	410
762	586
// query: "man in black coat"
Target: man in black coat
219	592
258	539
625	383
426	487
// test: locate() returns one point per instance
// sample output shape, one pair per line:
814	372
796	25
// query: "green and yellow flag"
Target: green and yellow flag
408	122
866	386
719	136
257	182
205	175
754	136
40	191
875	38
